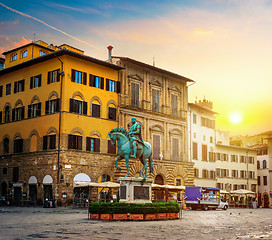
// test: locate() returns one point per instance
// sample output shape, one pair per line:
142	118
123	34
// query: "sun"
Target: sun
236	118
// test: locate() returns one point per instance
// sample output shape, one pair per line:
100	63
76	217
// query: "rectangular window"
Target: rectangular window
41	53
112	113
111	147
259	180
92	144
211	156
156	146
1	91
74	142
194	119
212	174
242	159
204	152
15	174
204	173
8	89
97	82
18	145
79	77
35	81
196	172
264	180
95	110
155	100
175	149
53	76
135	95
19	86
195	151
174	103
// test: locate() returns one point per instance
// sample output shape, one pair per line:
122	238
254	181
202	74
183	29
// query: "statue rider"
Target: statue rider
135	133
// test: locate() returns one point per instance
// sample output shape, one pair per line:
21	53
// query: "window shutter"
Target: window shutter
102	83
91	79
21	143
118	86
111	148
29	111
31	82
88	144
84	78
40	80
13	114
57	105
49	75
107	84
71	105
95	110
23	113
112	113
45	139
23	85
79	142
0	116
39	109
46	107
97	145
70	141
73	76
52	141
85	108
58	75
15	87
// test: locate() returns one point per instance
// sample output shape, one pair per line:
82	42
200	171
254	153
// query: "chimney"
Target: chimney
109	51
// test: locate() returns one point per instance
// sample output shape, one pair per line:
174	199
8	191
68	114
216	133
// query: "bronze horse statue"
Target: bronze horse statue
124	150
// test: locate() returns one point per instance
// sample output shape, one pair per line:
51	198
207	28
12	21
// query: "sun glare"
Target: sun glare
236	118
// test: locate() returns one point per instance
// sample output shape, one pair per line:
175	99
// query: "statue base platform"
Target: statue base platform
133	190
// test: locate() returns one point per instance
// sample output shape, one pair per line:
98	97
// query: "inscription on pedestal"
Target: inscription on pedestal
123	192
141	192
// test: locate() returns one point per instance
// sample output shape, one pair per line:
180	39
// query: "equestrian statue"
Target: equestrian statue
131	144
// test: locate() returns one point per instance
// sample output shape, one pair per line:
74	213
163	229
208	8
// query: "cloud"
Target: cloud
54	28
7	44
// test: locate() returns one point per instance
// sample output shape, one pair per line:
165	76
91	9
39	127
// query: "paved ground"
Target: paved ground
69	223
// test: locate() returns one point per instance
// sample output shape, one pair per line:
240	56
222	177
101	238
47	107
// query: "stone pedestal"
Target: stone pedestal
133	191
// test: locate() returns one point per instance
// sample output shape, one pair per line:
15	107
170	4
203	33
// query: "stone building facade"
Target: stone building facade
159	101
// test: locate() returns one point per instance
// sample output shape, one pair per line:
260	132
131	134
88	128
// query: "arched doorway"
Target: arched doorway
32	189
81	193
4	189
159	194
47	188
266	200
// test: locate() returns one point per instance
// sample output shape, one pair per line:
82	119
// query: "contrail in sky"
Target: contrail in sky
44	23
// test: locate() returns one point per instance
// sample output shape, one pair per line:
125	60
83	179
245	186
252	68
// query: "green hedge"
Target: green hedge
136	208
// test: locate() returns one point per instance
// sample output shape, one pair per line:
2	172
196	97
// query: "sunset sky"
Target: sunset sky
224	45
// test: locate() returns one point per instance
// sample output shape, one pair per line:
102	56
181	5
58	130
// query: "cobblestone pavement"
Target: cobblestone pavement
69	223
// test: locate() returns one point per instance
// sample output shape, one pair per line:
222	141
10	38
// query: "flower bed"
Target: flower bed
134	211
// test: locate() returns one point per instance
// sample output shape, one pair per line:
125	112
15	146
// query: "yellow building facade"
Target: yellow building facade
57	106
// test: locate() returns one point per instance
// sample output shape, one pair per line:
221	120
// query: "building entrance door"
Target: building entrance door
47	192
159	194
266	201
33	194
17	195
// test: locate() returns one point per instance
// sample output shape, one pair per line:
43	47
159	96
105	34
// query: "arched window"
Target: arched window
77	105
93	143
33	143
14	57
112	112
18	113
18	145
264	164
96	109
52	105
34	109
7	114
24	54
258	164
6	145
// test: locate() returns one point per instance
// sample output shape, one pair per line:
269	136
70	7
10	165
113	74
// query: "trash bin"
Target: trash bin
254	205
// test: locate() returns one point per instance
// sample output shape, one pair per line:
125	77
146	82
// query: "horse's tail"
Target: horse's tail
151	163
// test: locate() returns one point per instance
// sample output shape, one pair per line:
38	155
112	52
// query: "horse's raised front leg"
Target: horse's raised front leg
127	164
116	160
